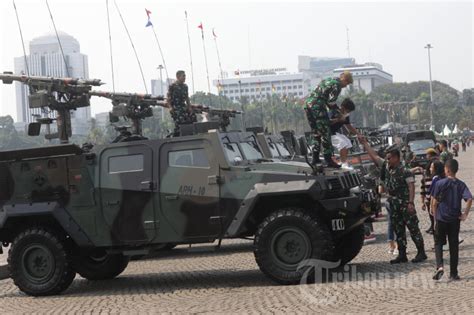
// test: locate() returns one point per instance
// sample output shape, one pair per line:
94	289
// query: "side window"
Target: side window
126	163
189	158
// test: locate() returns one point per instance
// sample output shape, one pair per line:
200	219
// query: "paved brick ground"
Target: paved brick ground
230	281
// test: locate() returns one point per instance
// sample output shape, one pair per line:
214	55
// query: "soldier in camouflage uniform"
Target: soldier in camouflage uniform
316	108
445	154
399	183
179	103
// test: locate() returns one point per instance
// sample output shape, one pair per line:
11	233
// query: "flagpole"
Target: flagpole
219	60
158	44
205	58
190	52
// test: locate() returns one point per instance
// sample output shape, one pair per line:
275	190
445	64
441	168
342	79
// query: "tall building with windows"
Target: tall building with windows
259	84
45	59
366	76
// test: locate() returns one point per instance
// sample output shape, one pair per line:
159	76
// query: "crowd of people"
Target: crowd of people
441	191
441	194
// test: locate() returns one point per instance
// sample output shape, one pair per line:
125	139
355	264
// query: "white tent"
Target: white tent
455	130
446	131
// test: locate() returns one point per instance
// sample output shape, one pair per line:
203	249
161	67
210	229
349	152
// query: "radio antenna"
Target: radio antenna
110	46
22	41
133	46
59	41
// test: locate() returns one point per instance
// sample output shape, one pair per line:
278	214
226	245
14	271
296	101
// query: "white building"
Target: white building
367	76
102	120
158	88
45	59
259	84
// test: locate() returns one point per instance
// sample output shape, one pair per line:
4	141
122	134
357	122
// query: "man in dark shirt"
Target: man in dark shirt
179	103
339	117
448	194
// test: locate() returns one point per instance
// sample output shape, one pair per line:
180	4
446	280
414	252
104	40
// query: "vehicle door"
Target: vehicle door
189	188
126	187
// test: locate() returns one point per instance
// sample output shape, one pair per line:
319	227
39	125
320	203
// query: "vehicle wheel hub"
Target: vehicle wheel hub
38	263
290	246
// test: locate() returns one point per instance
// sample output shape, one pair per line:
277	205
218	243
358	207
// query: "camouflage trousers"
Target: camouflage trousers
181	116
402	219
318	119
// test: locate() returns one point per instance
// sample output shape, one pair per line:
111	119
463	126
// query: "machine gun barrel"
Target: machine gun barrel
215	111
8	78
131	99
57	94
133	106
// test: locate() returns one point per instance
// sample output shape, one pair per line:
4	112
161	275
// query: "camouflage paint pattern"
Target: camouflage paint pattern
316	108
152	198
396	184
178	97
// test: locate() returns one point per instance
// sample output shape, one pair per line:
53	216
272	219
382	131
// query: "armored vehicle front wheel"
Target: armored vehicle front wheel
287	238
39	263
100	265
350	245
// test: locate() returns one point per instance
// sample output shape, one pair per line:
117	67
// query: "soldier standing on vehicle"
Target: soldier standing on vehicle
179	103
316	108
399	183
444	154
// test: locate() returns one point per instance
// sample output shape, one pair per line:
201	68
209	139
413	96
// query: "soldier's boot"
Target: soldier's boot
421	255
330	161
401	258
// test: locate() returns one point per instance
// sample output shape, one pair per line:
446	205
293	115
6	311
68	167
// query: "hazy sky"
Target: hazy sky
257	34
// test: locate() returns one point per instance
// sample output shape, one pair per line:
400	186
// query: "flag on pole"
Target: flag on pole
202	29
148	13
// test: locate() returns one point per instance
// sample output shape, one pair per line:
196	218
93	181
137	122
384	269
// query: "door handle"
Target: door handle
172	197
147	185
113	203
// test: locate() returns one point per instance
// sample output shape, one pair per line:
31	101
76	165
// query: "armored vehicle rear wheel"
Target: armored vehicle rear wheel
39	263
350	245
285	239
100	265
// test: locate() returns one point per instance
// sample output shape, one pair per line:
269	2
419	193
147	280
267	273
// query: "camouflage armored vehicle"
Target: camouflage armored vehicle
65	210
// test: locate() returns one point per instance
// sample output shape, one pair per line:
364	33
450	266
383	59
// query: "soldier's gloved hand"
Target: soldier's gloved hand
423	207
411	208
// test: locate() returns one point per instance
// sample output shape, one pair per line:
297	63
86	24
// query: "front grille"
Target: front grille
335	188
334	184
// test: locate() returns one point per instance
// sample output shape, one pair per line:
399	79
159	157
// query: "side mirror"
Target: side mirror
34	129
303	146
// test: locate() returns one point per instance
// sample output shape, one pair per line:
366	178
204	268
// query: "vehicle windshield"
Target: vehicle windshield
421	145
282	149
273	149
233	153
251	150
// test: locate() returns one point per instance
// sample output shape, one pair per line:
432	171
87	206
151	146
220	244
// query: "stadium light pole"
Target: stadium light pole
428	46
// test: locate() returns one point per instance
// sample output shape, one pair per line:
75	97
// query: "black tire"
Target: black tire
350	245
100	265
39	263
286	238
